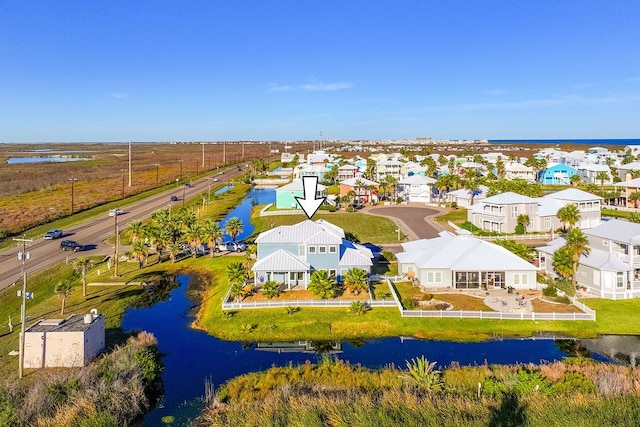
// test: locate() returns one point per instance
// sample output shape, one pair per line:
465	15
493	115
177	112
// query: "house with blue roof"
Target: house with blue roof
289	254
556	174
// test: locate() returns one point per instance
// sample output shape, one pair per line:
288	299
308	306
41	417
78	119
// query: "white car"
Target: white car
53	234
116	211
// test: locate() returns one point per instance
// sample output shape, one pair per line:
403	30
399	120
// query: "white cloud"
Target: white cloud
309	87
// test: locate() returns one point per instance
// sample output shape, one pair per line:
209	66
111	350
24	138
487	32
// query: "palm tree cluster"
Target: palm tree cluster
566	259
325	285
168	229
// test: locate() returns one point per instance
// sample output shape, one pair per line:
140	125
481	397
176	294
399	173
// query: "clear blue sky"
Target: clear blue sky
114	70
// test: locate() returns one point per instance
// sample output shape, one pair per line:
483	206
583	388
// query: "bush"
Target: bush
550	291
409	303
519	229
574	382
329	208
387	255
350	209
566	286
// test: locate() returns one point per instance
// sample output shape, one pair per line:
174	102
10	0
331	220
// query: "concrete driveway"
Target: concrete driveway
415	222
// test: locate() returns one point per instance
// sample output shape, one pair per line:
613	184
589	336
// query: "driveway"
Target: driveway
415	222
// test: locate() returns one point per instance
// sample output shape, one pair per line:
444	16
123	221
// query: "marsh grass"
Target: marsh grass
334	392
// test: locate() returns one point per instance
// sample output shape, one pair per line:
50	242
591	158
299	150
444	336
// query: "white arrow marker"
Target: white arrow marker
309	203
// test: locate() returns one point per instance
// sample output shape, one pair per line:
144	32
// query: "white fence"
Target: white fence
302	303
497	315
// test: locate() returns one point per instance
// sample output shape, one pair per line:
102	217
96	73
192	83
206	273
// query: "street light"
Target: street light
184	188
72	179
23	256
180	169
115	247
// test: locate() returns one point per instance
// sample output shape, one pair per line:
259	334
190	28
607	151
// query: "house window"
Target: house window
312	249
620	280
636	250
547	223
624	249
301	250
332	272
333	249
514	212
322	249
532	209
434	277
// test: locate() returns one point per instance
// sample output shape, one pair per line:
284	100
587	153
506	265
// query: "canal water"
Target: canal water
192	357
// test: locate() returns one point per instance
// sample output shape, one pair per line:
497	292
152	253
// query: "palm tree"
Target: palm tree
271	289
563	262
392	182
212	233
322	284
174	250
634	217
355	279
472	185
569	214
82	266
602	176
358	186
233	227
159	238
135	230
63	290
574	180
237	275
523	219
577	244
140	251
634	197
193	233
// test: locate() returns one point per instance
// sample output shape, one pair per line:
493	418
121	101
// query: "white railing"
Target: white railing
497	315
534	236
302	303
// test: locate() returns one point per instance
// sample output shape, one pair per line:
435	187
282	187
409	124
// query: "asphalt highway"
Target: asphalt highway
94	232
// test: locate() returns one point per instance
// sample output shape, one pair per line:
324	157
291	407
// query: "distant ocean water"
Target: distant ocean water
589	142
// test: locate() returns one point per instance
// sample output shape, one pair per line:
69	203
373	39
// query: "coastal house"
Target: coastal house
500	213
416	188
70	342
290	253
589	173
628	188
388	167
346	172
462	197
627	171
464	262
611	269
556	174
515	170
366	190
309	170
286	195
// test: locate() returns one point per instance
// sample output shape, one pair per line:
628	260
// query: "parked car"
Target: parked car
116	211
231	247
71	245
53	234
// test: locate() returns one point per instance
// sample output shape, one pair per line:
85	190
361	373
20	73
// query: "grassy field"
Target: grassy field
367	228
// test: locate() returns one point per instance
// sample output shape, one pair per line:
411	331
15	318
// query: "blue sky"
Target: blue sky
286	70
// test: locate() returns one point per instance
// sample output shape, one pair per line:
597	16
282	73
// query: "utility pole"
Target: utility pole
122	170
203	156
72	179
129	163
243	151
23	256
157	166
115	245
224	153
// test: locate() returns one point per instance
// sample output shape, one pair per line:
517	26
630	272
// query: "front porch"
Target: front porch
288	279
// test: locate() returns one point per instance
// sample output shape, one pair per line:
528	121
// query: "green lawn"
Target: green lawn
367	228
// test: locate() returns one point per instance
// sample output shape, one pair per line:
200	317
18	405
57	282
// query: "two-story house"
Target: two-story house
611	269
346	172
500	213
388	167
286	195
290	253
417	188
629	187
515	170
366	190
556	174
590	173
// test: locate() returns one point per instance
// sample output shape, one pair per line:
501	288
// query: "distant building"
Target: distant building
557	174
69	342
286	195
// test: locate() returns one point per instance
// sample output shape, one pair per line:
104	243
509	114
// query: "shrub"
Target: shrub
329	208
566	286
550	291
574	382
359	308
409	303
350	209
519	229
388	256
423	374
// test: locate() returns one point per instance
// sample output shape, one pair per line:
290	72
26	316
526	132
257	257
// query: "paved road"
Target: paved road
413	220
94	232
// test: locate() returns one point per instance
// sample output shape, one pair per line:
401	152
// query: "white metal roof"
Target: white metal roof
617	230
508	198
280	260
574	195
296	185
